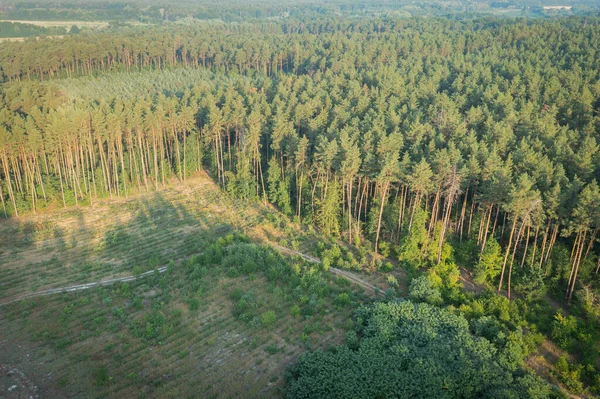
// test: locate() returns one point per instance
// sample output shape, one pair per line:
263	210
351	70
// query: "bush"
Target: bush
384	249
295	311
499	306
422	290
391	280
249	267
243	306
194	304
342	299
268	318
490	262
387	267
564	330
102	377
532	284
570	375
233	272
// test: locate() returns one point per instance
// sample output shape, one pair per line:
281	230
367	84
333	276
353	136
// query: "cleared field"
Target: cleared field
118	237
202	329
85	343
146	339
66	24
22	39
112	238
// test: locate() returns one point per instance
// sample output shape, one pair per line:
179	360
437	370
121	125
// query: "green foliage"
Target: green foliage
268	318
412	350
329	210
499	306
194	304
422	290
392	281
295	311
413	247
570	375
532	285
387	267
490	262
152	327
445	276
278	187
384	249
564	330
342	299
102	377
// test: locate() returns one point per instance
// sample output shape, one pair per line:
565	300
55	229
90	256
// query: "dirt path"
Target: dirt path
342	273
81	287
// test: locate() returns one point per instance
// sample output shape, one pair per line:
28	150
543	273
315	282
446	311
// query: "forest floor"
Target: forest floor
79	340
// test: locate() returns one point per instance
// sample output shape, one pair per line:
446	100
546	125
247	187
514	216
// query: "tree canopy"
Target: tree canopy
404	349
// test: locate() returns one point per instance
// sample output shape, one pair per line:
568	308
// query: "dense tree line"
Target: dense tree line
151	11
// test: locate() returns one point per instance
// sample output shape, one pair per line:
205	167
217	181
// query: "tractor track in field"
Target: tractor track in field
80	287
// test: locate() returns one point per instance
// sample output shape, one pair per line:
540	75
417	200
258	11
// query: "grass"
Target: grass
179	334
101	342
111	239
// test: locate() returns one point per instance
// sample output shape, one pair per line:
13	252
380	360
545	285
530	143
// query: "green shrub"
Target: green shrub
272	349
570	375
295	311
490	262
564	330
422	290
102	377
387	267
342	299
194	304
268	318
233	272
384	248
236	294
391	280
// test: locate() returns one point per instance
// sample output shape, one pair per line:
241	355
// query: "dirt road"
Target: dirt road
342	273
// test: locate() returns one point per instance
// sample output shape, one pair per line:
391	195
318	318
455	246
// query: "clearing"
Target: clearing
65	24
181	325
22	39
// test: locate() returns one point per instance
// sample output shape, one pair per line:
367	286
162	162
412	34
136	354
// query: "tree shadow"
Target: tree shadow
141	234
